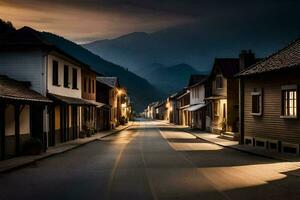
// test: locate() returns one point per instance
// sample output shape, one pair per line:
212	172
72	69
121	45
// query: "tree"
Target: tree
6	27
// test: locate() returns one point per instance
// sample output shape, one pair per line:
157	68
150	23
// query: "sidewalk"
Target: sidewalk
215	139
18	162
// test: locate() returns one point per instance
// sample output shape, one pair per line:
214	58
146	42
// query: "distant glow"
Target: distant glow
92	24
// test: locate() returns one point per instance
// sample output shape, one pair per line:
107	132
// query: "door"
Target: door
37	130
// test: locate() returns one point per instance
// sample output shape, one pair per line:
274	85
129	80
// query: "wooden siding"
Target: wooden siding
89	76
219	91
232	105
197	94
270	125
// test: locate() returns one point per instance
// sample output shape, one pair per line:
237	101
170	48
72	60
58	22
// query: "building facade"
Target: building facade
197	103
21	117
223	101
270	102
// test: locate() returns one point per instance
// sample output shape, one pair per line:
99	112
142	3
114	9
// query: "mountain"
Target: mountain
170	79
140	90
6	27
198	43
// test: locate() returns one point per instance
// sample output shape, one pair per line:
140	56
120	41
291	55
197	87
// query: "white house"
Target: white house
197	104
28	55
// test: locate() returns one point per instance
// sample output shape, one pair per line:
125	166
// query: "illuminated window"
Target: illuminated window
289	101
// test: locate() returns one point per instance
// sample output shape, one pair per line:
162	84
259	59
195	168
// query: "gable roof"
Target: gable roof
28	37
15	90
229	66
286	58
109	81
195	79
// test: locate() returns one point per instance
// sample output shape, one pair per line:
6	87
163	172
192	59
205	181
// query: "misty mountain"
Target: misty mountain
170	79
198	43
140	91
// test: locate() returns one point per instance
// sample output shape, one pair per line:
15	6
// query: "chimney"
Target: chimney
247	58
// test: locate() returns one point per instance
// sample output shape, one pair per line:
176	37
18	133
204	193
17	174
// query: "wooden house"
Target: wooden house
114	98
223	99
161	111
21	116
151	112
183	102
103	92
269	99
197	106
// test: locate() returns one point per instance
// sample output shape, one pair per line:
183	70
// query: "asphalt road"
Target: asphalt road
152	160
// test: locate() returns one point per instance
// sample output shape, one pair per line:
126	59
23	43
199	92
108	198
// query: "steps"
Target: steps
229	136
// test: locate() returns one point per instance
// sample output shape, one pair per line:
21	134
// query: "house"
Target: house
126	108
90	113
172	111
183	102
103	114
172	107
114	98
197	106
32	56
161	111
21	116
269	99
223	99
151	112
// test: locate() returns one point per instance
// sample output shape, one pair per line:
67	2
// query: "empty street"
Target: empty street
153	160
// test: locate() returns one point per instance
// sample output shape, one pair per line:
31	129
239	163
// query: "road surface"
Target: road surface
153	160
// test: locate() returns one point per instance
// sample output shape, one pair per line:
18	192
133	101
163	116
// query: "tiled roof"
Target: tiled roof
69	100
195	79
15	90
28	37
286	58
109	81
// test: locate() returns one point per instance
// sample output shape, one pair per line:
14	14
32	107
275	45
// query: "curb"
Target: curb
237	149
10	169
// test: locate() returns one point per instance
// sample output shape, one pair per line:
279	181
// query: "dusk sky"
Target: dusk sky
88	20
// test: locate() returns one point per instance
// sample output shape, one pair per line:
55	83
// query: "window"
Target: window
93	86
85	84
55	72
66	76
219	82
256	103
289	101
90	85
74	78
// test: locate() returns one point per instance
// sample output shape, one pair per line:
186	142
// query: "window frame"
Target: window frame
90	86
55	73
85	84
289	88
260	103
74	80
219	79
66	76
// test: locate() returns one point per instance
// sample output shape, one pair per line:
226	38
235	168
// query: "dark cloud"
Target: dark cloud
151	15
